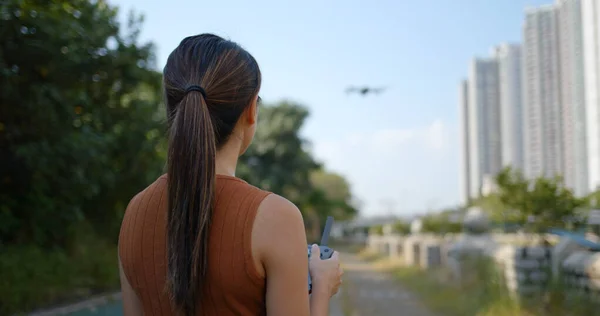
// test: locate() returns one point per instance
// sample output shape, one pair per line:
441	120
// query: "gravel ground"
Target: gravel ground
369	292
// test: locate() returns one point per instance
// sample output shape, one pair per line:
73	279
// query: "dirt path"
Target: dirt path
369	292
336	305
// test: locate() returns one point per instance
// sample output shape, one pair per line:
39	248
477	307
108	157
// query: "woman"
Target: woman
200	241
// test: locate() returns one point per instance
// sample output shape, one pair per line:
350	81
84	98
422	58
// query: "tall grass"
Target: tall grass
32	277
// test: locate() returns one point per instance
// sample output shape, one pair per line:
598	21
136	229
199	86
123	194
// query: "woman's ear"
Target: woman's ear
252	112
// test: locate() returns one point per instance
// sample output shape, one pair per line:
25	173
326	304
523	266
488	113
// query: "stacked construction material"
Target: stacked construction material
525	270
581	273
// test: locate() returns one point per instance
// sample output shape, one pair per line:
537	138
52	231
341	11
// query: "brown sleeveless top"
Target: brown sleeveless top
233	285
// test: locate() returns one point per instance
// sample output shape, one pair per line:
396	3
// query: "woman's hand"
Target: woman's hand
326	274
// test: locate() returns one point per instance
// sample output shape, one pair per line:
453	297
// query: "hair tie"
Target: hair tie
195	88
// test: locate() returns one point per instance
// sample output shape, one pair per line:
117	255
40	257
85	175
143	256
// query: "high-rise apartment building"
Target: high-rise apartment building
541	93
511	106
536	106
484	138
590	10
572	95
465	175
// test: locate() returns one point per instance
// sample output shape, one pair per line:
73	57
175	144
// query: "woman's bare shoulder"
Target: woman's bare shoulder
278	222
278	213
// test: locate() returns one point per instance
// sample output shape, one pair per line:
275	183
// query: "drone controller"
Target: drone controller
326	252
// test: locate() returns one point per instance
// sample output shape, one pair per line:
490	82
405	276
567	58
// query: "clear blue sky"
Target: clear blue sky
400	146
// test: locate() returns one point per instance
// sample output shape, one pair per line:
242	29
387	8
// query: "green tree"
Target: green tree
277	160
337	193
498	212
376	230
513	189
440	223
552	204
79	123
510	202
331	196
401	227
592	200
546	200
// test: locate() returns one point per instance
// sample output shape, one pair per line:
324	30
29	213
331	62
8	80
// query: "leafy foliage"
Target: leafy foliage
336	190
277	160
440	224
401	227
376	230
80	123
31	276
538	204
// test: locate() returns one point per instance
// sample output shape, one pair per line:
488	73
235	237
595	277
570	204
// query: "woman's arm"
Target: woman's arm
131	303
280	240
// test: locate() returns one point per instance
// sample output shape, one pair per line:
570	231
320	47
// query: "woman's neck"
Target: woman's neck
227	158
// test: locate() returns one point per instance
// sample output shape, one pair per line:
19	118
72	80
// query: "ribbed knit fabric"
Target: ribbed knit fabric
233	285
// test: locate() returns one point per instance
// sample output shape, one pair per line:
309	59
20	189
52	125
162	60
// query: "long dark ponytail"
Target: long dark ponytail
226	79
